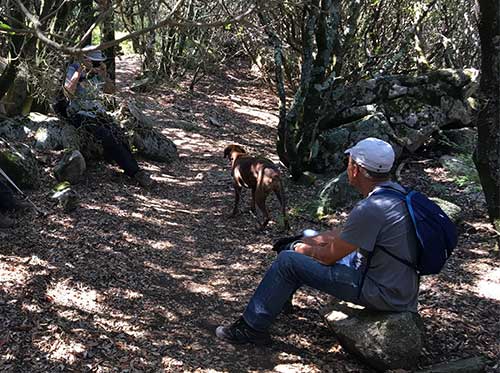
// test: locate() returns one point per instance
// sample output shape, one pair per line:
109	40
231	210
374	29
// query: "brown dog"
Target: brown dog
258	174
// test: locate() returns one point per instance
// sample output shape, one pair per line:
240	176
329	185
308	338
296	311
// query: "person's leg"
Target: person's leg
290	271
116	150
7	202
7	199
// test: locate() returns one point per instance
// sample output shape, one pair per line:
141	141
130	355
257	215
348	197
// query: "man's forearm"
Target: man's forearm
331	249
320	253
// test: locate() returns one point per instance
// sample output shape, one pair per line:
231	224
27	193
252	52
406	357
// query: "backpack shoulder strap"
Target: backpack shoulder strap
404	196
401	260
386	189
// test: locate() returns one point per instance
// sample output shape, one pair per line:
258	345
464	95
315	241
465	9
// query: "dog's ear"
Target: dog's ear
227	151
238	149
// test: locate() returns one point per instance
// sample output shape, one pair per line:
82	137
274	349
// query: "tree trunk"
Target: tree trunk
297	131
9	74
108	34
487	155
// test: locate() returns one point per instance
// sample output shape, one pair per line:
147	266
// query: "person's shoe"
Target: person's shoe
143	179
241	333
288	307
6	222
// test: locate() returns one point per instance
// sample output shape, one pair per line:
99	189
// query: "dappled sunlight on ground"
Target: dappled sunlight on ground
137	280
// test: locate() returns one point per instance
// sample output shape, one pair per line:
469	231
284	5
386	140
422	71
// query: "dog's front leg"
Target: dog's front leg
252	204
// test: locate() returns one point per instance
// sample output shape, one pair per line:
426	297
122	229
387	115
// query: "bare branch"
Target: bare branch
169	21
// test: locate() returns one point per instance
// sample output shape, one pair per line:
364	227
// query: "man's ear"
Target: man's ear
355	169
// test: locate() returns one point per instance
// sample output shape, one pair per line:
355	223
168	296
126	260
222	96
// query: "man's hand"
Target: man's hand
327	249
324	238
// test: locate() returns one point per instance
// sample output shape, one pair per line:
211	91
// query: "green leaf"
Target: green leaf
61	186
6	27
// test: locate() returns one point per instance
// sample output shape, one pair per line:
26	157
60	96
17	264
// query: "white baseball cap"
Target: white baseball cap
373	154
95	55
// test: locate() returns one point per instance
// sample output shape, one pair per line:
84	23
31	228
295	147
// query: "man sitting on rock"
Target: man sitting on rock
378	220
9	202
85	83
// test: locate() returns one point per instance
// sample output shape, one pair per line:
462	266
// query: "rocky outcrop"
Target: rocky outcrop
47	132
404	110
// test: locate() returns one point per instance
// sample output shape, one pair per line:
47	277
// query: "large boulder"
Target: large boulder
11	129
153	145
337	193
54	134
453	211
461	140
333	143
71	167
14	100
383	340
19	163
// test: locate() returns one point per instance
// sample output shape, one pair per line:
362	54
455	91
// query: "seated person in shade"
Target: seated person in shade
378	220
86	81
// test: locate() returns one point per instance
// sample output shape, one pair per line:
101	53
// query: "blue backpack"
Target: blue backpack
436	233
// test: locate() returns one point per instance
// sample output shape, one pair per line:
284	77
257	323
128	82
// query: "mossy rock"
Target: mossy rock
19	164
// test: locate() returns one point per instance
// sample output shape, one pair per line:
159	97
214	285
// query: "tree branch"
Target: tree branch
169	21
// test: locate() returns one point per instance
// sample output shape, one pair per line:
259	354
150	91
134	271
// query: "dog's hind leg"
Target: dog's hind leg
281	198
260	200
237	194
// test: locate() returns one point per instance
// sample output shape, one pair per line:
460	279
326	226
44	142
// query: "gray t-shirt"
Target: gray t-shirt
383	220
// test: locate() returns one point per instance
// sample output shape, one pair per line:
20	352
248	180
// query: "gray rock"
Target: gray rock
307	178
214	122
71	167
383	340
463	140
414	109
141	85
456	111
11	129
55	134
453	211
471	365
457	166
397	91
155	146
17	160
67	199
334	142
337	193
139	119
15	98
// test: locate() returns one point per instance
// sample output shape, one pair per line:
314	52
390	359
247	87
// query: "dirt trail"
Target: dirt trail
137	280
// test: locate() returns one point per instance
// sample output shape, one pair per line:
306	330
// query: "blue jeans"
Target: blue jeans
290	271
